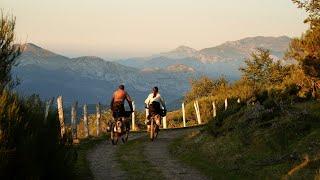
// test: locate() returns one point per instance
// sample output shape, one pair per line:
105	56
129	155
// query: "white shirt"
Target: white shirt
158	99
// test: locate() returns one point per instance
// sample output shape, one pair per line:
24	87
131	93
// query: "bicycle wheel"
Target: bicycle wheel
156	131
127	131
111	131
113	135
127	135
115	139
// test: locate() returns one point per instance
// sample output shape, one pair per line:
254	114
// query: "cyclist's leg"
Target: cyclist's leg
158	119
127	124
158	123
113	124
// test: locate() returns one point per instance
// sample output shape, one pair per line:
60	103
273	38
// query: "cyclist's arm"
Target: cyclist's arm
146	102
163	103
112	101
128	98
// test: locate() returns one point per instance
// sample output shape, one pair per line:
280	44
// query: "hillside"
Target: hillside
180	68
249	142
175	68
180	52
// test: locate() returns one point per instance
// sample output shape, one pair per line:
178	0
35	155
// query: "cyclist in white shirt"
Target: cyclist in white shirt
154	102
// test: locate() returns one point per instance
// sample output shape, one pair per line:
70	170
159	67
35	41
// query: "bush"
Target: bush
31	148
215	124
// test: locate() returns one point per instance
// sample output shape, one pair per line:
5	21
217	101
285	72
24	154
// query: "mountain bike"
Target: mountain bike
156	114
120	128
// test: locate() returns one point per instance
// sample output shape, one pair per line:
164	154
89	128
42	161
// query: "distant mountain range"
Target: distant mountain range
233	50
91	79
223	59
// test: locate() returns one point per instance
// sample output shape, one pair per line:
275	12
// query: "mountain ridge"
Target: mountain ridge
90	79
228	51
243	47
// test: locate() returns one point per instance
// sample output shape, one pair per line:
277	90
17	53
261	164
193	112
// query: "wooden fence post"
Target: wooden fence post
164	120
183	115
85	120
74	119
238	101
199	121
61	115
226	104
196	107
214	109
48	106
133	116
98	118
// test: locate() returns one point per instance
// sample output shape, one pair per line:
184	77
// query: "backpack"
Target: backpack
155	108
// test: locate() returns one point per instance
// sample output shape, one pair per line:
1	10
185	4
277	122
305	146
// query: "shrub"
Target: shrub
31	148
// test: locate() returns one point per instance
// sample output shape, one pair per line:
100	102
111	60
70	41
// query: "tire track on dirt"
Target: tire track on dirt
159	156
102	160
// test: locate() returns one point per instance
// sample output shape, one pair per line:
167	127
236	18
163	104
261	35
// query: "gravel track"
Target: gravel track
102	160
159	156
103	163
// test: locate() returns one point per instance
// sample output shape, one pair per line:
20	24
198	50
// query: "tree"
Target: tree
204	86
257	67
278	73
306	49
312	7
8	51
262	71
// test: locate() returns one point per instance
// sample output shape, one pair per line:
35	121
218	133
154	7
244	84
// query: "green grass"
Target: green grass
198	158
82	170
264	146
132	159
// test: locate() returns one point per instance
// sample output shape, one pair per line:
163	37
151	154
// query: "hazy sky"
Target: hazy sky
122	28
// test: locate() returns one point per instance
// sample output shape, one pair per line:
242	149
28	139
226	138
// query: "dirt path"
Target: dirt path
103	164
159	156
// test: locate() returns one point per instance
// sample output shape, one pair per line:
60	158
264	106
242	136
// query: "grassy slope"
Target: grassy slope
256	143
132	159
